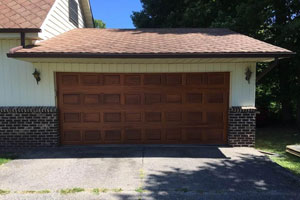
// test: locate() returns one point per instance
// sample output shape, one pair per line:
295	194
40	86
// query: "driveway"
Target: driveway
146	172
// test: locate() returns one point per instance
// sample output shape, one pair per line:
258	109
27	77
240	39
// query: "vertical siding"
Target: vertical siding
16	83
57	21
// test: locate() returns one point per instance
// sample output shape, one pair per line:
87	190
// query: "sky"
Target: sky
115	13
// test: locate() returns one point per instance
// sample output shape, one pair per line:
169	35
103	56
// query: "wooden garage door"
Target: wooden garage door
143	108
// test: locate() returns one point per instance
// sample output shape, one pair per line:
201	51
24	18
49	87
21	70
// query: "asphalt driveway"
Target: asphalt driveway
146	172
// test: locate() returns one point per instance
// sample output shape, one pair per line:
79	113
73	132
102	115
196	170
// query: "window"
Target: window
73	12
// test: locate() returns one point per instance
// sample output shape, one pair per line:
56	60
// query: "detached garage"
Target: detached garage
144	86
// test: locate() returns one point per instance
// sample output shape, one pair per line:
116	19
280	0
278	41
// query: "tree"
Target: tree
274	21
99	23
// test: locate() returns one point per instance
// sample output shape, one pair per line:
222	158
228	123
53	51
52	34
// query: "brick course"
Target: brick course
29	127
241	127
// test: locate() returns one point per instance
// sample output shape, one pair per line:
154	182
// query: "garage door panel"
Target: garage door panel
113	135
97	108
72	136
72	117
92	117
92	137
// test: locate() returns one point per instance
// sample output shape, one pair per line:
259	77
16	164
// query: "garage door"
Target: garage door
189	108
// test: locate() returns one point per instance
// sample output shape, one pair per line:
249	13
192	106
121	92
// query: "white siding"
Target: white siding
16	83
57	20
18	87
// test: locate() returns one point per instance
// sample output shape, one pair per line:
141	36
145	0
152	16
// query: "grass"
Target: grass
275	140
5	158
71	191
3	192
36	192
117	190
140	190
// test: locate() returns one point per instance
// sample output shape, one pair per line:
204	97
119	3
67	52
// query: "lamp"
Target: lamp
36	74
248	74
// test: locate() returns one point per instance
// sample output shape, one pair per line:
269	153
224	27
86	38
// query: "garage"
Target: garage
136	108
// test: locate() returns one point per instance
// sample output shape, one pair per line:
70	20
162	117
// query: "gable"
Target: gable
58	20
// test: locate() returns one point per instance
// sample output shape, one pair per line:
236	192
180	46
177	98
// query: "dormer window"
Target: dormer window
73	12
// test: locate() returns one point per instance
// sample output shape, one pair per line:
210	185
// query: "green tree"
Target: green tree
274	21
99	23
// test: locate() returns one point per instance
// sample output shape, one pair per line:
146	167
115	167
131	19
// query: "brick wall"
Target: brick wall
241	127
29	127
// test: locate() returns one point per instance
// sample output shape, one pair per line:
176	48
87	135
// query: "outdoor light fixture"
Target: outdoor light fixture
248	74
36	75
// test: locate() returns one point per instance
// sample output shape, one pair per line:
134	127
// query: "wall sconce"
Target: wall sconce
36	75
248	74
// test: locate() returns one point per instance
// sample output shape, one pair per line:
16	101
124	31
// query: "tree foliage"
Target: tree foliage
99	23
273	21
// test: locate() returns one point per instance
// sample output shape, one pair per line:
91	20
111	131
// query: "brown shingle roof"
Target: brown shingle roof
151	43
23	14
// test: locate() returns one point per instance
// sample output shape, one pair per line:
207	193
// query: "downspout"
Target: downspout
23	42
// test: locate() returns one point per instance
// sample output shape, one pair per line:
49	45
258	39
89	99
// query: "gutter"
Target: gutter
15	54
20	30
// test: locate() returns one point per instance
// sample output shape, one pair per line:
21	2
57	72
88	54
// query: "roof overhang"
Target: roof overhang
279	55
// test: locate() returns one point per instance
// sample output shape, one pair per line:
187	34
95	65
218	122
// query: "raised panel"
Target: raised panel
173	98
152	79
153	116
153	134
173	134
152	98
174	79
72	99
132	80
216	79
133	117
112	117
68	80
196	79
91	117
72	136
194	116
91	99
112	135
111	98
132	99
194	98
133	134
72	117
111	80
92	136
90	80
173	116
215	97
214	117
214	134
194	134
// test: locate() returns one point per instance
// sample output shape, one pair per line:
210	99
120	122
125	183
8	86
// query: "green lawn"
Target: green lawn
275	140
5	158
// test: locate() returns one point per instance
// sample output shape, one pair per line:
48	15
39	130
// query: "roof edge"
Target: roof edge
14	54
20	30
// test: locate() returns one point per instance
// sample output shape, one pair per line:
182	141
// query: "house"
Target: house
62	82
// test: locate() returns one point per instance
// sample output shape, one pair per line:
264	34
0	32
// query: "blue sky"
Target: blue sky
115	13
